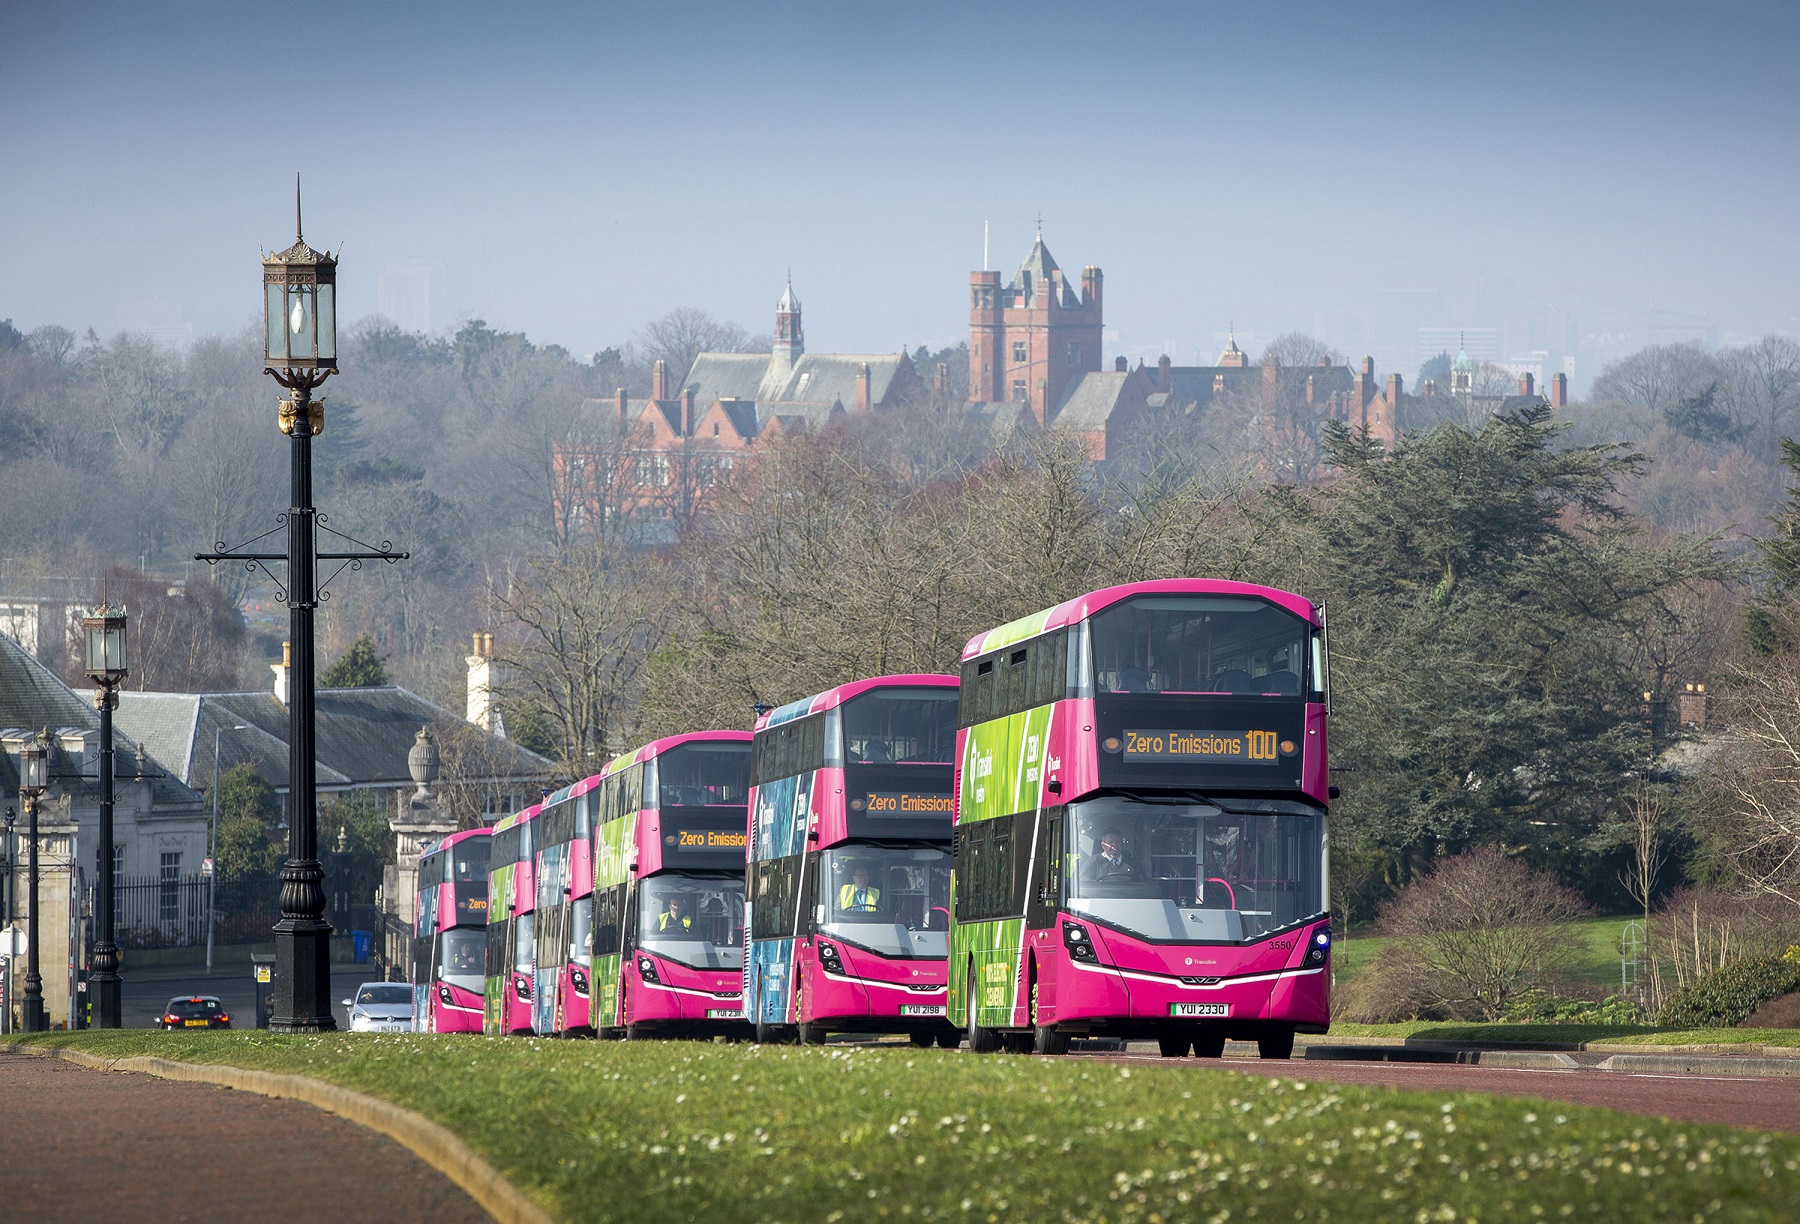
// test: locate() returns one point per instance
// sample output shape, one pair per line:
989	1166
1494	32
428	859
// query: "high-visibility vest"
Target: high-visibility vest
851	897
662	922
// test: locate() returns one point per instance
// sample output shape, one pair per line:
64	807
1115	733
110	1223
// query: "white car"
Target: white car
381	1007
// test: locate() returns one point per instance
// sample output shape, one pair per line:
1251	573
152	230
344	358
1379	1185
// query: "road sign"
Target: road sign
206	867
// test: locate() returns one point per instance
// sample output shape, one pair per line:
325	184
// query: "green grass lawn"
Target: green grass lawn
691	1131
1595	961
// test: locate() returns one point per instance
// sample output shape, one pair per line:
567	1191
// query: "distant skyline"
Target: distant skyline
574	170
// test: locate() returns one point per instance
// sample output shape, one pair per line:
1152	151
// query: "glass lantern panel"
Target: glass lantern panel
300	321
276	310
95	638
327	316
34	769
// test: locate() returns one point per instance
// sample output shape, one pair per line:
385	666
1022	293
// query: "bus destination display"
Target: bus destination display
902	803
1250	747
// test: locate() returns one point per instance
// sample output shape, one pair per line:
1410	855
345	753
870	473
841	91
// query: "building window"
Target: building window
171	887
1018	394
1021	352
1074	353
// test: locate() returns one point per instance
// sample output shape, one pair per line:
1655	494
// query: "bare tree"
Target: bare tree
581	624
686	332
1656	379
1483	928
1299	349
1647	828
1756	780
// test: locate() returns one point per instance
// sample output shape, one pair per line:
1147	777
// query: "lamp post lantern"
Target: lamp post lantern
34	780
103	641
300	353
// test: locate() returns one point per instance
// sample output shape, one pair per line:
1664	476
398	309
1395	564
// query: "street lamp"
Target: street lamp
300	325
300	353
103	639
34	780
212	847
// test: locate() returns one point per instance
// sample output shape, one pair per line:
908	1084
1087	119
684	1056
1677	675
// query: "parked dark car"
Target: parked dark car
194	1011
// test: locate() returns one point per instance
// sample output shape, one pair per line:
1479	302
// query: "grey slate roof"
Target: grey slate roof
814	378
32	698
1091	400
1038	270
803	412
363	736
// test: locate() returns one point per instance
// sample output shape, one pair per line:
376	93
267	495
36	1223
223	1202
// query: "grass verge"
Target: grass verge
681	1131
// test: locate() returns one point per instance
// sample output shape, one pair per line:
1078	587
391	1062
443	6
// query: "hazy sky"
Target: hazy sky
573	170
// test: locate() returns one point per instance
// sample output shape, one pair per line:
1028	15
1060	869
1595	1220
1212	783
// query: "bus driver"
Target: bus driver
1110	865
675	918
858	897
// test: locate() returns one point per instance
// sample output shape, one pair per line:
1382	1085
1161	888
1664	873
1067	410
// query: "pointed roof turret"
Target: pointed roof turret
1040	268
789	304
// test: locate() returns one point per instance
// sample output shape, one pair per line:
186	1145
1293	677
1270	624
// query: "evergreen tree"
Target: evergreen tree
1769	624
249	817
360	667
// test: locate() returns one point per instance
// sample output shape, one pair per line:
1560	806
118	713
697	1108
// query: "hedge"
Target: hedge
1728	996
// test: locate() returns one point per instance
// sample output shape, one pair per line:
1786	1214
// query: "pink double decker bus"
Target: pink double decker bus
848	866
512	925
1141	822
667	944
563	847
450	934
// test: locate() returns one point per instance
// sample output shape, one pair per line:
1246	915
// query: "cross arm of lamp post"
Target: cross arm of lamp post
258	561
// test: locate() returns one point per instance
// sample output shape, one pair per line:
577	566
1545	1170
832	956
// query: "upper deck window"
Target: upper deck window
470	860
893	726
705	773
1232	644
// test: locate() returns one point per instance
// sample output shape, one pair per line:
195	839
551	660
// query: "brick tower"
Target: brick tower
1029	340
790	339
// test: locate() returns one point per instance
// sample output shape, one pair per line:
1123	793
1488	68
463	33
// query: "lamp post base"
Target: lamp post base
108	1000
32	1017
302	986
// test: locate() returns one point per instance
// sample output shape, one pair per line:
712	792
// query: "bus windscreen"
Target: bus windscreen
1192	872
705	773
901	726
697	920
1201	644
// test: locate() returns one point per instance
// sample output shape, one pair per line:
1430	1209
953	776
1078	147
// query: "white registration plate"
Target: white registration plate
1199	1009
921	1009
724	1013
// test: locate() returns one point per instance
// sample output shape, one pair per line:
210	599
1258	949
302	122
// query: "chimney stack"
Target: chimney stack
687	412
862	387
482	678
282	670
1559	390
1120	365
1394	387
1162	373
622	404
1527	384
659	380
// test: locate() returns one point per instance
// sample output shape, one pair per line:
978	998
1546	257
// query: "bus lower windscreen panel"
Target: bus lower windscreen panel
891	900
462	951
693	918
1194	873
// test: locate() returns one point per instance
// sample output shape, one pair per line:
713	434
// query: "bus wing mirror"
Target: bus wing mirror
1332	792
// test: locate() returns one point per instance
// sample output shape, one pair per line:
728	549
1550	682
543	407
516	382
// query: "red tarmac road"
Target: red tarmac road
1762	1102
86	1145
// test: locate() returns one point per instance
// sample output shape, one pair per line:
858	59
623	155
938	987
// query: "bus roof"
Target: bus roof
834	697
1083	606
656	748
572	791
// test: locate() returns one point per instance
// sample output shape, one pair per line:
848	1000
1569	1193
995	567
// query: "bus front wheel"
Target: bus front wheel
1209	1045
1045	1040
981	1040
1173	1047
1276	1045
811	1034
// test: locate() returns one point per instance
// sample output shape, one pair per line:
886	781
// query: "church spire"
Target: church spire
790	338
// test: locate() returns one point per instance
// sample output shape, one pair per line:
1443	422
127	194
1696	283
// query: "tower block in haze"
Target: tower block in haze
1032	339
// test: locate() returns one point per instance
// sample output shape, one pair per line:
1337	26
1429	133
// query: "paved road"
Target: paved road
1766	1103
84	1145
147	991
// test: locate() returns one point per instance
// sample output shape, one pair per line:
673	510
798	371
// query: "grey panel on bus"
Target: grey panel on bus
1163	920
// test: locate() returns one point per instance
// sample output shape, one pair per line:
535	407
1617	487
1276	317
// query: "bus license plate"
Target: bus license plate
724	1013
1199	1009
921	1009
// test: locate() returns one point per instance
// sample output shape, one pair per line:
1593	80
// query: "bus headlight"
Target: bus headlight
1321	944
443	992
646	969
828	957
523	986
579	978
1077	941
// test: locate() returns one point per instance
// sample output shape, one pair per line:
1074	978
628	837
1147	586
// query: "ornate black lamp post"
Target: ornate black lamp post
103	636
300	329
34	779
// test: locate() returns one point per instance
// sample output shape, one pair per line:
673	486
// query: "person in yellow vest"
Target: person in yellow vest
858	897
675	918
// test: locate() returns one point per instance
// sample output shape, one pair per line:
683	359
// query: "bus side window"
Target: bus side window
1018	681
985	684
809	900
607	903
1050	858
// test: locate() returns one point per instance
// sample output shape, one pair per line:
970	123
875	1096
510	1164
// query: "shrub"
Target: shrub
1481	929
1726	997
1540	1007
